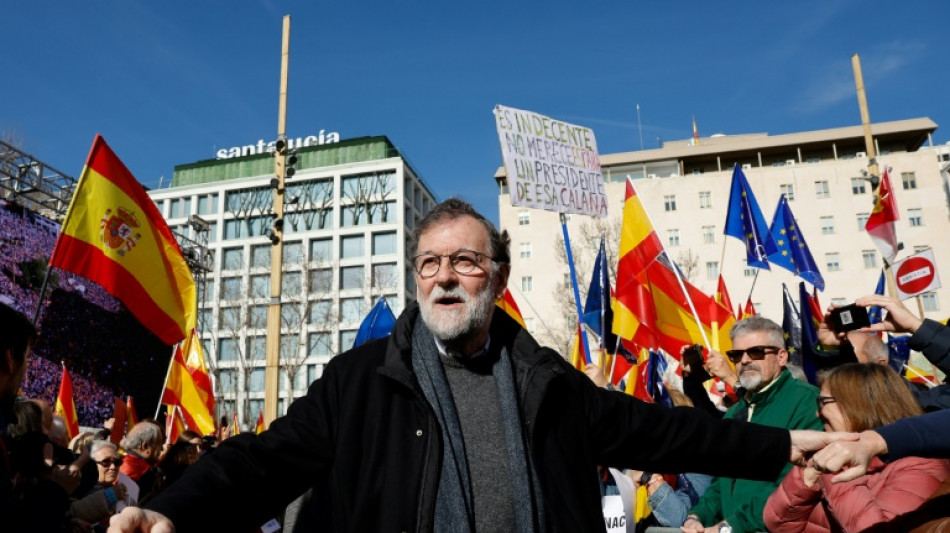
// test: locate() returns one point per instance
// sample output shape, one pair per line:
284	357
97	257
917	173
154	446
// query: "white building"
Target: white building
685	189
348	212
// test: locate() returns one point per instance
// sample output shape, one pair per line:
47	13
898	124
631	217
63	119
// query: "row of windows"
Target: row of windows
321	251
317	344
384	276
822	190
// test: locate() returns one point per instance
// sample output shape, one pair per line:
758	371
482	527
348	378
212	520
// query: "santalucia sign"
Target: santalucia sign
262	146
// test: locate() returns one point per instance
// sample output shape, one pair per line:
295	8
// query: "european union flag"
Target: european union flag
791	251
745	222
377	324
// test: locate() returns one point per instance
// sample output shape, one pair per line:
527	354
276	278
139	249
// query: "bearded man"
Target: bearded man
458	421
772	397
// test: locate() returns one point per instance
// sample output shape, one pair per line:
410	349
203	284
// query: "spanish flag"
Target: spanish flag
114	235
189	386
131	416
65	406
508	305
173	424
260	423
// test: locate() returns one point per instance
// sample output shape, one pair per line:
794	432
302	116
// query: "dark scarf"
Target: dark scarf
454	507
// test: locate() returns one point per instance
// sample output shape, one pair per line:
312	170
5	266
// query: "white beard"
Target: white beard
454	328
750	380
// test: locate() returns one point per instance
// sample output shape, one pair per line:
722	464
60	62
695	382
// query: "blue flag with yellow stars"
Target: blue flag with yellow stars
791	251
745	222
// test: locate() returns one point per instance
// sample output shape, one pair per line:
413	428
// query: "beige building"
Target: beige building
685	189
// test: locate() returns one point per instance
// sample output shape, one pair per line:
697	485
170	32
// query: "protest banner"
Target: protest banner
551	165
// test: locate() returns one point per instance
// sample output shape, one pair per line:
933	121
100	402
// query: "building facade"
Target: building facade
348	212
685	189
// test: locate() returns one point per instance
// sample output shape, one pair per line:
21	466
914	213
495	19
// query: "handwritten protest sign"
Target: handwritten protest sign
551	165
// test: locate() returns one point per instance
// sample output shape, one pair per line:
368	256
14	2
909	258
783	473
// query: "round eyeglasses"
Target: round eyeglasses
462	262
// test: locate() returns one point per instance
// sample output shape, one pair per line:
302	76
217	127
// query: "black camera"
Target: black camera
849	318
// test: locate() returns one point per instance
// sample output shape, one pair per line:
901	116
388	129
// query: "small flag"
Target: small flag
508	305
791	251
65	406
722	294
882	224
745	222
260	423
189	386
875	313
378	323
120	414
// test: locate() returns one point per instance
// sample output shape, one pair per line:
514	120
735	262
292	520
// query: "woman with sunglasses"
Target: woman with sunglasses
101	501
856	397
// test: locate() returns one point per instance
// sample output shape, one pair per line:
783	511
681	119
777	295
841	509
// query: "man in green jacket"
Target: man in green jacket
773	398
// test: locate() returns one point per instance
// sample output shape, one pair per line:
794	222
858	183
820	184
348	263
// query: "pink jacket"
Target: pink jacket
888	490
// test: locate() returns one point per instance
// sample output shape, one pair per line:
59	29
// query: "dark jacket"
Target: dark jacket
366	429
933	340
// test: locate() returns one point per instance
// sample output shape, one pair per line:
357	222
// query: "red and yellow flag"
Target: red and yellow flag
722	294
173	424
189	386
508	305
131	415
65	406
577	351
260	423
639	247
120	414
749	309
114	235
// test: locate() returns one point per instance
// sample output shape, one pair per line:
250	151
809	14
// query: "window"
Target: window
566	282
709	234
230	288
321	250
321	280
527	282
319	344
260	286
712	269
384	243
234	229
524	218
293	253
857	186
915	217
321	312
673	237
384	276
347	339
207	204
909	180
748	271
233	258
788	189
291	283
832	262
351	246
669	202
227	349
351	277
229	318
827	225
290	315
260	256
257	380
526	250
839	302
257	348
918	248
930	301
870	258
705	199
351	310
227	379
862	220
257	316
821	189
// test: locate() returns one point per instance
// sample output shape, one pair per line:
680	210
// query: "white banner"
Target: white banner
551	165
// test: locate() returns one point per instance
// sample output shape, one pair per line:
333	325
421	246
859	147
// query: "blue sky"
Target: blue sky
167	83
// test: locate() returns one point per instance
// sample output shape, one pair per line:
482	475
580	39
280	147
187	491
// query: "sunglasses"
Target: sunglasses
756	353
108	462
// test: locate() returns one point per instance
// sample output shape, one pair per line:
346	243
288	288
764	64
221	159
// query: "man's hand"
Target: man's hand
827	337
850	459
596	375
692	525
899	319
136	520
717	365
805	441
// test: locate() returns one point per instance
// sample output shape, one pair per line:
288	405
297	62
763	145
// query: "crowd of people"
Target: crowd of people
106	351
460	421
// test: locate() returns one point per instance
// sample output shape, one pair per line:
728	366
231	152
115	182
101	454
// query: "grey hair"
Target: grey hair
759	324
454	208
101	444
875	349
141	435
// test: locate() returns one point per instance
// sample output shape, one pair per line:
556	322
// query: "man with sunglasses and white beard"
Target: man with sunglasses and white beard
458	421
771	397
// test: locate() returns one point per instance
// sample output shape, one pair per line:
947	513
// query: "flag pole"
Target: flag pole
752	288
577	292
165	383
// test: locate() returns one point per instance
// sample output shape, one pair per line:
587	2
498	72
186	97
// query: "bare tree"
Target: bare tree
688	261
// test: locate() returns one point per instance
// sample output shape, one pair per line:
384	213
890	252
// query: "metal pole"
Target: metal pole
272	361
577	292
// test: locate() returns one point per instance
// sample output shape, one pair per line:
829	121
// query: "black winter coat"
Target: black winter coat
366	436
